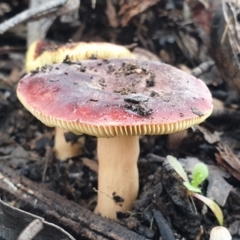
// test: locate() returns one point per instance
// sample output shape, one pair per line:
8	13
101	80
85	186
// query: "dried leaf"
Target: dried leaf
228	160
14	76
111	14
208	136
129	9
93	165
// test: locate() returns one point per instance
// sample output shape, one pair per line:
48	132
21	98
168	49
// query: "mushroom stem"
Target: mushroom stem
118	174
63	149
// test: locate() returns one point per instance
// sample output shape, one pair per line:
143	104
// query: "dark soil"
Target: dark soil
26	145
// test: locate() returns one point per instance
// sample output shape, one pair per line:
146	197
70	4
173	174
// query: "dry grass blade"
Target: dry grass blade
228	160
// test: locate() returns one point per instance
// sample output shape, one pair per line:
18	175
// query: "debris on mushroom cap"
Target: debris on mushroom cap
107	98
220	233
41	52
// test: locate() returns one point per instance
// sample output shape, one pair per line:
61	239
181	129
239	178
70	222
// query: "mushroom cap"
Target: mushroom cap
41	52
220	233
116	97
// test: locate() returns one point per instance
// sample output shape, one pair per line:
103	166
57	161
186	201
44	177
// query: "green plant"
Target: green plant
199	174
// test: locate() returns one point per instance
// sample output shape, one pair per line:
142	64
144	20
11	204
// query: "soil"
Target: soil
26	145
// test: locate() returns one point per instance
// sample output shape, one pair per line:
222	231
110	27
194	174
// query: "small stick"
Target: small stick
202	68
164	229
7	49
48	156
31	230
39	12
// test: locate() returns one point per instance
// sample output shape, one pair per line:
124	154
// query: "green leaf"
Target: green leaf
191	188
199	174
176	165
212	205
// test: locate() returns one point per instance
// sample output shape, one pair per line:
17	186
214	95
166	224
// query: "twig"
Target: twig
6	157
163	226
38	12
31	230
7	49
48	156
202	68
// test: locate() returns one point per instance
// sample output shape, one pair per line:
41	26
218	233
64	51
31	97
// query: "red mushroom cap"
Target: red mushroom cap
114	97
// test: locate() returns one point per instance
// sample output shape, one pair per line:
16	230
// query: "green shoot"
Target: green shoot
199	174
191	188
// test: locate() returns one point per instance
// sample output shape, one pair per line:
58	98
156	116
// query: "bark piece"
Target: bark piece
78	221
13	221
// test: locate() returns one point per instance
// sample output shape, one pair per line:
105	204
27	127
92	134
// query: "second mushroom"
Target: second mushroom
116	100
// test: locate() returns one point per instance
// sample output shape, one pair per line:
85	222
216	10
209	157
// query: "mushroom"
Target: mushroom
42	52
116	100
220	233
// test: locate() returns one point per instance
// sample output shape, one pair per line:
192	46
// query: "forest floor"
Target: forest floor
34	180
